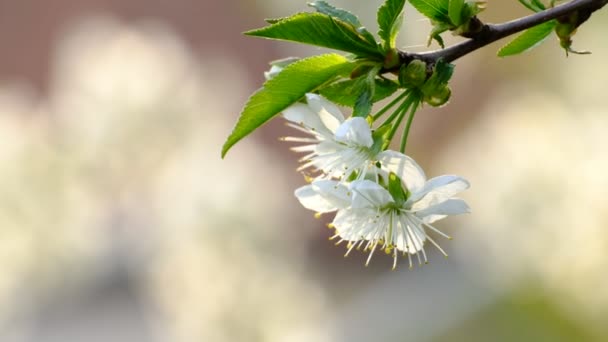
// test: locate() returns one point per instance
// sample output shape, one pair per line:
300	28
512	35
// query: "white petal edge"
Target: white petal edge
310	199
328	113
355	131
443	209
301	114
405	167
437	190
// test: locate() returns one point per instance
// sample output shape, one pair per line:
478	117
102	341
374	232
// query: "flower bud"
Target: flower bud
414	74
439	97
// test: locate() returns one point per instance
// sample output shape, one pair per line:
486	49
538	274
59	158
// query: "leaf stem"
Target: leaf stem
390	105
408	125
399	115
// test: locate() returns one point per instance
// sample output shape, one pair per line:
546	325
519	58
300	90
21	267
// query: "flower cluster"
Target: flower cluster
382	198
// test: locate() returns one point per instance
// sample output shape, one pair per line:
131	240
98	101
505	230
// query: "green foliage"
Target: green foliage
455	11
339	13
450	15
289	86
533	5
283	62
345	93
390	19
528	40
321	30
436	10
344	15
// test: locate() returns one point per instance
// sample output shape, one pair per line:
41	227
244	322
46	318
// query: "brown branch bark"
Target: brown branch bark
490	33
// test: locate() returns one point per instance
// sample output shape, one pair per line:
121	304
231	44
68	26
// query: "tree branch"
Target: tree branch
490	33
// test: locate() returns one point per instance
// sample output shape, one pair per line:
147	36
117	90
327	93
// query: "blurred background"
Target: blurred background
119	221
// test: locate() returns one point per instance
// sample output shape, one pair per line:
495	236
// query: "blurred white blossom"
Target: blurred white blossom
542	167
127	147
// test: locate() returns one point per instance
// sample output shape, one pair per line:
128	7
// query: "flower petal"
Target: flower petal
404	167
443	209
351	223
368	194
437	190
328	113
333	192
300	113
324	196
355	131
312	200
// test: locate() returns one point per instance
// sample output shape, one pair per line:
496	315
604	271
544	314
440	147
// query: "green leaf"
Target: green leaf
436	32
390	18
455	11
289	86
283	62
534	6
344	15
528	40
345	93
364	102
436	10
320	30
539	4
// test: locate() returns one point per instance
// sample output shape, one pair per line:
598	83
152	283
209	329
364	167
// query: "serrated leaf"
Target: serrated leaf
283	62
344	92
455	11
364	102
528	39
534	6
539	4
436	10
390	18
320	30
344	15
290	85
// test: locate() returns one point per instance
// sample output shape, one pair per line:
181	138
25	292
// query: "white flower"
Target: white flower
369	216
337	147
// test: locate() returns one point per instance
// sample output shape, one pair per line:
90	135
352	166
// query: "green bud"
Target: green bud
439	97
414	74
566	28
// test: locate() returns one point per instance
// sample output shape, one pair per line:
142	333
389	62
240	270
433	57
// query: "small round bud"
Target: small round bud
439	97
413	74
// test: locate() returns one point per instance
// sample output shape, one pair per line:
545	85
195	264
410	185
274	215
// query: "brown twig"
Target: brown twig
490	33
